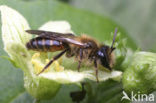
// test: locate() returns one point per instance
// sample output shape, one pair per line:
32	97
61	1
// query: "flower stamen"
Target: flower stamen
40	64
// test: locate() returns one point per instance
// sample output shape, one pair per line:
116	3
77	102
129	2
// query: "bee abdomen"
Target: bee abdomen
42	44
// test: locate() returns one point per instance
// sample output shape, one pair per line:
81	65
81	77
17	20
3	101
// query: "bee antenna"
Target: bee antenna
115	33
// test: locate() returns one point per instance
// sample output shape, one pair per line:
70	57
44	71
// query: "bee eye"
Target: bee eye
100	54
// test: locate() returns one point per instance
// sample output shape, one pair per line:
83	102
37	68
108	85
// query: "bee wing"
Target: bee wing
48	33
66	38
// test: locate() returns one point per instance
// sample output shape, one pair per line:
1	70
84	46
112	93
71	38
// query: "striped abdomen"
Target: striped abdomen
42	44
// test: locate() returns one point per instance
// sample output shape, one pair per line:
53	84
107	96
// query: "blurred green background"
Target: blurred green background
136	21
138	17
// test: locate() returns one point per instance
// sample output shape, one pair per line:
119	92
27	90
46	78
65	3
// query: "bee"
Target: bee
83	48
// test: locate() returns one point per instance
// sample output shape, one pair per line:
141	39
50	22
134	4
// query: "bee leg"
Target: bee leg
51	61
81	54
96	70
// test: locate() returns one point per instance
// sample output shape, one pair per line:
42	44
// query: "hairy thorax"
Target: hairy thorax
84	54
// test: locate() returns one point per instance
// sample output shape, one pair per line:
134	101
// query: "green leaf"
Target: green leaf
11	81
81	22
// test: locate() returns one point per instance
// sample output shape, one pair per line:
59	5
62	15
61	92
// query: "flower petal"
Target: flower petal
13	26
57	26
14	37
68	76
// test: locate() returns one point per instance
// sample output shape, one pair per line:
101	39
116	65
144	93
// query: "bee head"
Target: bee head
106	55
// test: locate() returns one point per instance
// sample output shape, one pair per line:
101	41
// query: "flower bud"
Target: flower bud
140	76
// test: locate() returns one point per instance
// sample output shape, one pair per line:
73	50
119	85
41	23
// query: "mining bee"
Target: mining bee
83	47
